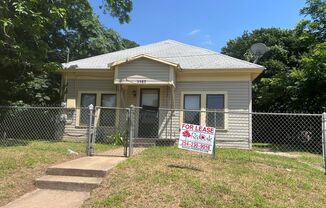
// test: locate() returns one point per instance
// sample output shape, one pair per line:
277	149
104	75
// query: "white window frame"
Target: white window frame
203	103
98	103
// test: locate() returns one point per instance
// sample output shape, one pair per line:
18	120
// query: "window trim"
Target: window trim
200	96
203	106
116	99
223	109
98	101
80	102
83	93
115	105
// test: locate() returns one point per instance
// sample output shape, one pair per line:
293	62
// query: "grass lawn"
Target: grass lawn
21	164
163	177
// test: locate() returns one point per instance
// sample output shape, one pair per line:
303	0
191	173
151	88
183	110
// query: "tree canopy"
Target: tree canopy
35	36
295	75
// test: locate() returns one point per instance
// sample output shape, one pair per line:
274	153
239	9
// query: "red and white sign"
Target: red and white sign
197	138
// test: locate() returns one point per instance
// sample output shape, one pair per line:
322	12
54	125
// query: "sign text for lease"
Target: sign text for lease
197	138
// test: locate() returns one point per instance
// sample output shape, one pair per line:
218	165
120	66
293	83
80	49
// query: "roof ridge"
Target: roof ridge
192	46
113	52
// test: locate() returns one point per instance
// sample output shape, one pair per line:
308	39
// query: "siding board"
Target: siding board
143	69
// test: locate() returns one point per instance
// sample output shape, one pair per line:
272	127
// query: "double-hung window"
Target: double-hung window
192	104
214	103
86	99
107	115
215	110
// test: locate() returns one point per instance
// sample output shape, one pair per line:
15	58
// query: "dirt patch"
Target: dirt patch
284	154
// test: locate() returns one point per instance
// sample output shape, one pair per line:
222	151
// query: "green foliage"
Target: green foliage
118	139
316	10
294	79
34	37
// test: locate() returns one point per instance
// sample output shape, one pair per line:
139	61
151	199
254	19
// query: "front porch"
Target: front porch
151	122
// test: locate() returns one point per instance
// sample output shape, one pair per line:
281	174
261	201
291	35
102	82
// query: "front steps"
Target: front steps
68	183
75	133
82	174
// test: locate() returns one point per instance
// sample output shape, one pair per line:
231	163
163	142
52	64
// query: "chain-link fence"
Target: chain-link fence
127	131
111	128
283	134
39	129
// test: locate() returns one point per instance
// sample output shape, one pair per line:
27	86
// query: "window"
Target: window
107	116
85	100
214	102
192	102
216	119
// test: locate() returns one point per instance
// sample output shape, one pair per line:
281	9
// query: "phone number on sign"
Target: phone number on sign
195	145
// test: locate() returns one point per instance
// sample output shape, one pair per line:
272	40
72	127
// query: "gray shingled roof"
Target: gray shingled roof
187	56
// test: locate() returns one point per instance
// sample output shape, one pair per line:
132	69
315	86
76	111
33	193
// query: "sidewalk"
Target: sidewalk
68	184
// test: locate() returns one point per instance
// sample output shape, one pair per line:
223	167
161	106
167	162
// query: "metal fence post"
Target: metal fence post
90	147
214	143
126	139
324	139
131	129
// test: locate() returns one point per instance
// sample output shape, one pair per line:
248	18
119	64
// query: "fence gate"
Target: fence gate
108	133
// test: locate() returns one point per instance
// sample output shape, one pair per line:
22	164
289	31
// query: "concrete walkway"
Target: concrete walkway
67	185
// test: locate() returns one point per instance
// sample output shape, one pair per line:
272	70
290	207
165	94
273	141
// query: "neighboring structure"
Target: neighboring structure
169	75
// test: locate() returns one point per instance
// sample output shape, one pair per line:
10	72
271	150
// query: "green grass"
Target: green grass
169	177
21	164
310	158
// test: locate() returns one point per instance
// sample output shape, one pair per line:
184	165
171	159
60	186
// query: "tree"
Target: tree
34	38
294	79
129	44
316	10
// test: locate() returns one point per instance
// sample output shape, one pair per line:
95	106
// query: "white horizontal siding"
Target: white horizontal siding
96	85
143	69
237	133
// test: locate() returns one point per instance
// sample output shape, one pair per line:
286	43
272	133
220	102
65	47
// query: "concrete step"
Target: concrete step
76	172
75	129
68	183
75	134
95	166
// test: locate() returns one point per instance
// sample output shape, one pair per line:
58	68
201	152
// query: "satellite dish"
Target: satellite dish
258	49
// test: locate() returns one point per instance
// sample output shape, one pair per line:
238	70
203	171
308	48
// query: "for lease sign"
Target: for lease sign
197	138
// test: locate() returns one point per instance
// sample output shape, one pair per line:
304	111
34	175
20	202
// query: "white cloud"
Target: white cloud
193	32
207	40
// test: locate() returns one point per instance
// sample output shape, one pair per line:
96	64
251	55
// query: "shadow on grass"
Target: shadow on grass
189	167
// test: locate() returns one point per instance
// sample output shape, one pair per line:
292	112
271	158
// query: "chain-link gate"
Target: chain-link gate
108	131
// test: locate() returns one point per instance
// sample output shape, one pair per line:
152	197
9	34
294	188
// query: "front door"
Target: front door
149	115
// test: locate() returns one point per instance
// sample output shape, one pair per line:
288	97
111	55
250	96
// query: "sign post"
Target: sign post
197	138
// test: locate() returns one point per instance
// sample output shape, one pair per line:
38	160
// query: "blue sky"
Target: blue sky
206	23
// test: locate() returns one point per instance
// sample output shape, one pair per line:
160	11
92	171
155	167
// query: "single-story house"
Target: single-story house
167	75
